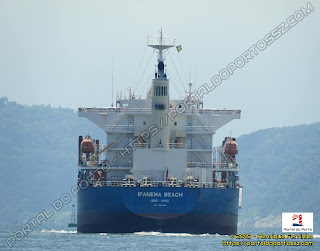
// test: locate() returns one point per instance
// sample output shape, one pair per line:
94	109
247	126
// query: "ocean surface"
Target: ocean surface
64	238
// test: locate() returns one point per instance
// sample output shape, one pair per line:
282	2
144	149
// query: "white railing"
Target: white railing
201	129
148	110
170	145
119	128
141	145
220	165
89	163
157	41
198	147
218	112
177	145
138	183
196	164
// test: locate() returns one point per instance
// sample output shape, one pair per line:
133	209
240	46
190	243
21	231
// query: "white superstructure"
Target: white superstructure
154	139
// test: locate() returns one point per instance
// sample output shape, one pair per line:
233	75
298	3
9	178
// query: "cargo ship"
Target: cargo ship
158	170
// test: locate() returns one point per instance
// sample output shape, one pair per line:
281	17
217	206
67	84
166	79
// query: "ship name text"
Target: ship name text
159	194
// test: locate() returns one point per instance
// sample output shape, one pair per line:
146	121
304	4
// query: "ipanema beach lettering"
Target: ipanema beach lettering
159	194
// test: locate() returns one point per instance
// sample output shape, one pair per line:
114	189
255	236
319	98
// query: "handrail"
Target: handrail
177	145
148	110
201	129
119	127
217	165
196	164
140	145
170	145
131	128
139	183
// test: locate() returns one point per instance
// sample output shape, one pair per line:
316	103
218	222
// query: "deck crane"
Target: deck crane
95	156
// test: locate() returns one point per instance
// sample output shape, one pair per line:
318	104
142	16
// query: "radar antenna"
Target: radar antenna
161	44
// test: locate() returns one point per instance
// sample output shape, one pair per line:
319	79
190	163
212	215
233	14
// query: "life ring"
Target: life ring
239	111
80	109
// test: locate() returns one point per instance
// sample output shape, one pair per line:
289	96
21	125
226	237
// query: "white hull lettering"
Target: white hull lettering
158	194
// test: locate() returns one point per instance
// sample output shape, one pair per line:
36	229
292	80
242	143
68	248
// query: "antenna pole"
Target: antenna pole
112	83
160	46
195	76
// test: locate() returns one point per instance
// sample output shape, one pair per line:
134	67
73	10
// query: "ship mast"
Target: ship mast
160	44
160	47
160	91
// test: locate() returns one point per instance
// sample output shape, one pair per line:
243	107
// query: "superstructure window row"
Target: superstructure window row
160	91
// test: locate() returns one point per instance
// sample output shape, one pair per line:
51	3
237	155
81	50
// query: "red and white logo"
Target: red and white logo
297	222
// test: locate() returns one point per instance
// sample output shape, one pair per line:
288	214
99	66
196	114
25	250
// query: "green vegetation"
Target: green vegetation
38	153
38	163
280	171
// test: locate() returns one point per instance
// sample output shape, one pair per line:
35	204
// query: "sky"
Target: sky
62	53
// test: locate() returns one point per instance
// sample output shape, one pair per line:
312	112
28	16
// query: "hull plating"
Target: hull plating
163	209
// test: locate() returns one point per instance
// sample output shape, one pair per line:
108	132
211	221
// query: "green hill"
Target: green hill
38	157
280	171
38	163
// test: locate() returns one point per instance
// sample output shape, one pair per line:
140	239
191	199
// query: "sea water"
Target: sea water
64	238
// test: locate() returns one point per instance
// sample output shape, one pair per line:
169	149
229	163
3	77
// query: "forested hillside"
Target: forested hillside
38	163
280	172
38	153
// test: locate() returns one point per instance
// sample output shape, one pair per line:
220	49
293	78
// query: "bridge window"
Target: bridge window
159	107
160	91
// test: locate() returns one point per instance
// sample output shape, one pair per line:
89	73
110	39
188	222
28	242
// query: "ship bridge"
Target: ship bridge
156	137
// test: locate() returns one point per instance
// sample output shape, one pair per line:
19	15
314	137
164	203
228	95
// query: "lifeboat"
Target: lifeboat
231	147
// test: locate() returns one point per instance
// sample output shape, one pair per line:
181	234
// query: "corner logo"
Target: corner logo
297	222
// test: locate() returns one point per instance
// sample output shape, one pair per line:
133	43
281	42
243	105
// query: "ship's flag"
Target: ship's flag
179	48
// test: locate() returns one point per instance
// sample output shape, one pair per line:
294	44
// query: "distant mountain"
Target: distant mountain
38	163
280	172
38	157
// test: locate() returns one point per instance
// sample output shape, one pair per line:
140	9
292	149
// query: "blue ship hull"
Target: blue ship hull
161	209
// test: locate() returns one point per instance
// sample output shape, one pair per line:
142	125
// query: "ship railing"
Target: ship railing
119	128
170	145
201	129
134	110
220	112
198	147
163	40
106	110
148	110
139	183
177	145
89	163
196	164
220	165
141	145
